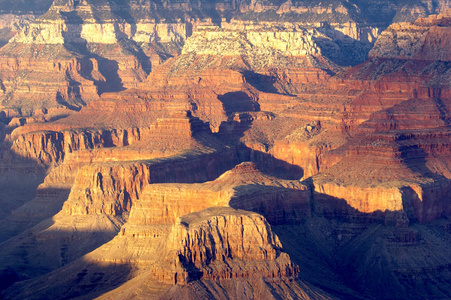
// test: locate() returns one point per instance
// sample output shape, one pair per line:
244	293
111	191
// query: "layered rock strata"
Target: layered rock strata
221	246
371	144
400	141
217	243
114	46
107	189
424	39
243	187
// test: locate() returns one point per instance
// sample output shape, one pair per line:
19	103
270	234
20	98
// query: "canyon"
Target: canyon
225	150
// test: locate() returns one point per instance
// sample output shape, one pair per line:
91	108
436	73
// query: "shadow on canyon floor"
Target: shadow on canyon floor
236	102
357	255
19	181
45	204
17	188
81	279
342	49
47	247
270	165
416	159
279	205
231	133
310	246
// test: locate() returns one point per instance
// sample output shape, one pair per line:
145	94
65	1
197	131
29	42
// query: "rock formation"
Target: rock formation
243	187
107	46
204	251
221	150
398	144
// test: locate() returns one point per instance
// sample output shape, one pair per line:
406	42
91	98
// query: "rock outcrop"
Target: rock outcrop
218	246
112	189
223	243
424	39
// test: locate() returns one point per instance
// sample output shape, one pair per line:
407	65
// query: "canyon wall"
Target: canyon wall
192	151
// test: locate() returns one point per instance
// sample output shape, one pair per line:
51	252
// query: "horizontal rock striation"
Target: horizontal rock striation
127	40
369	143
224	243
112	188
50	143
243	187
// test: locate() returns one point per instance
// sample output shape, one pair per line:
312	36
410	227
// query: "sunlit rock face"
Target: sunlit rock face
401	137
227	150
424	39
243	187
96	47
224	244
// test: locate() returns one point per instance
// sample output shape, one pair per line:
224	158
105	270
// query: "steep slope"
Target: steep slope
402	142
